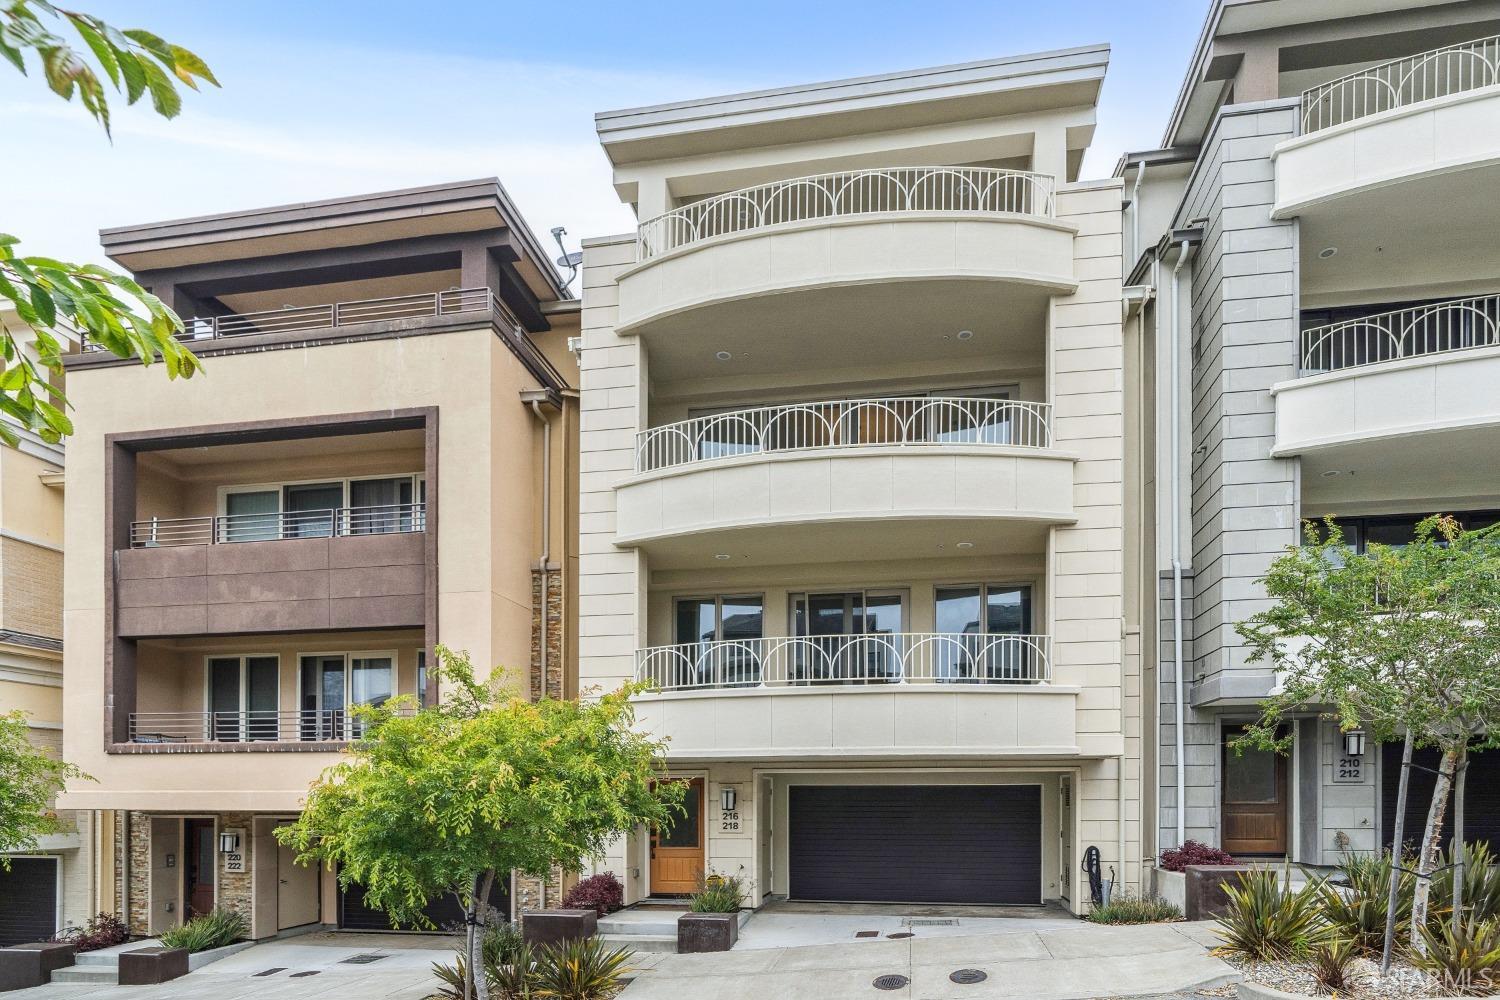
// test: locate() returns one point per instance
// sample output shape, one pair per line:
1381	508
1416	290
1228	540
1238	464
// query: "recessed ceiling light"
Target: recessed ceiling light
1327	252
1337	472
721	555
723	355
966	545
966	335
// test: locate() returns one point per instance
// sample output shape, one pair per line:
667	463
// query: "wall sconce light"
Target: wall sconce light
229	843
728	799
1354	743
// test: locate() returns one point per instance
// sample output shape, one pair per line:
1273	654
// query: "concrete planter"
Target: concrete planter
1205	889
199	959
27	965
544	927
700	932
150	966
1254	991
1170	886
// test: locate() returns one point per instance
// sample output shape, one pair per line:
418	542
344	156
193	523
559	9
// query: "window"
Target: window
1399	529
421	678
828	620
332	683
978	621
718	631
243	697
372	506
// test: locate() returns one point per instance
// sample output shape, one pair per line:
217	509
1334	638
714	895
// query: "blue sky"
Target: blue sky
328	98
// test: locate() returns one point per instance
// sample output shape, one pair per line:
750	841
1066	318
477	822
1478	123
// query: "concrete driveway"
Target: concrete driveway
1047	963
310	966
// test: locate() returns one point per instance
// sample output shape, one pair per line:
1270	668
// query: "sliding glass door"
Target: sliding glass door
333	683
981	618
243	698
827	622
714	636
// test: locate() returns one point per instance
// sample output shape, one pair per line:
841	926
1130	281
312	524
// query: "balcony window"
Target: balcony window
243	695
825	621
333	683
715	635
320	509
978	613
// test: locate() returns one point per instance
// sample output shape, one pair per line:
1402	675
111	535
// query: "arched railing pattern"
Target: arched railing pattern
1433	328
985	190
846	423
846	660
1453	69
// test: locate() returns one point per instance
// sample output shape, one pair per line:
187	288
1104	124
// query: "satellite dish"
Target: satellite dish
570	260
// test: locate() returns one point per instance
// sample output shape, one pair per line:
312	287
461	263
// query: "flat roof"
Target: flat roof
987	88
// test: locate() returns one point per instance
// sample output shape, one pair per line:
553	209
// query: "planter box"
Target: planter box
1205	889
199	959
700	932
544	927
1170	886
26	965
149	966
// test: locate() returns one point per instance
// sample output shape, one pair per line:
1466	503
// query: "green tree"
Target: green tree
447	798
1401	641
29	778
48	294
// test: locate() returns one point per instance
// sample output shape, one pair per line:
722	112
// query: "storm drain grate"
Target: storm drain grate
892	982
303	975
866	934
901	934
270	972
968	977
365	959
919	922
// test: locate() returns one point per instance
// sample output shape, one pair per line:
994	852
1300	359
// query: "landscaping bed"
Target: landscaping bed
1296	978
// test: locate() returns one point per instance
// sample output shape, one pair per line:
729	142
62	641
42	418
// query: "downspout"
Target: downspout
1183	255
545	558
1135	212
1136	299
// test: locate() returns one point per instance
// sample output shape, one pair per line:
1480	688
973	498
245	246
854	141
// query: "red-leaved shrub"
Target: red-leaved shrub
104	930
600	893
1175	859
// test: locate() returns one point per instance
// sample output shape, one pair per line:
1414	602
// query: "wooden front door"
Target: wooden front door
677	854
1254	799
198	880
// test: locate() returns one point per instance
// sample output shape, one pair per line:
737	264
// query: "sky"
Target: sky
323	98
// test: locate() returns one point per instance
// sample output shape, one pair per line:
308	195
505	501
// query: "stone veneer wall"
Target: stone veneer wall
552	685
235	891
135	833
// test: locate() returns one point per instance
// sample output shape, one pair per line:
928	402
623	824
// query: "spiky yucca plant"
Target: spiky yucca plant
1357	911
1267	921
581	969
1466	960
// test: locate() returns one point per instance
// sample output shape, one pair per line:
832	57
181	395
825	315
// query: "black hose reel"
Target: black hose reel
1096	876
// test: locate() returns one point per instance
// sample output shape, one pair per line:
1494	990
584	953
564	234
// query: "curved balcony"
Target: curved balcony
858	696
809	480
1408	396
779	251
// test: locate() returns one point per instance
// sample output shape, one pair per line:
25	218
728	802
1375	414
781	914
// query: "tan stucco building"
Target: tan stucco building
376	458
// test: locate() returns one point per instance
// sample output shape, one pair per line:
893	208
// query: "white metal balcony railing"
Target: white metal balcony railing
986	190
1433	328
847	660
332	315
311	726
1453	69
846	423
334	522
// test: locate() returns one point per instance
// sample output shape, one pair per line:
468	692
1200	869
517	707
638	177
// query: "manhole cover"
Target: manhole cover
866	934
361	959
919	922
271	972
891	983
968	977
901	934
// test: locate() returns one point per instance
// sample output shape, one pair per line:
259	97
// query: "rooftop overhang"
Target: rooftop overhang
388	217
992	88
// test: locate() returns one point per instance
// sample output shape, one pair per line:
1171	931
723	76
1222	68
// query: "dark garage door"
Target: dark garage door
29	908
1481	796
916	843
445	912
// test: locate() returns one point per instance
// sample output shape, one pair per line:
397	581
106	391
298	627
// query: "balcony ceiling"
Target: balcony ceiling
1431	473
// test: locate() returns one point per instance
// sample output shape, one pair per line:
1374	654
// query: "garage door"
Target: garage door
445	912
29	890
916	843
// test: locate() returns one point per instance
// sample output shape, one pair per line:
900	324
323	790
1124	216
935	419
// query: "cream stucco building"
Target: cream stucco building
859	414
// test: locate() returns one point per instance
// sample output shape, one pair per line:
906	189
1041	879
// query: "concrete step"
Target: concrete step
98	975
657	925
642	942
97	960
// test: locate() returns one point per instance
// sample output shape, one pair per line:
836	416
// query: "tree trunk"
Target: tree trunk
482	909
471	918
1460	851
1397	857
1432	837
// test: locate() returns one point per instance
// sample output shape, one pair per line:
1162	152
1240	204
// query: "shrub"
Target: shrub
1468	961
1481	885
1332	965
104	930
212	930
1125	908
719	894
1175	859
581	969
503	945
1266	921
1357	910
602	893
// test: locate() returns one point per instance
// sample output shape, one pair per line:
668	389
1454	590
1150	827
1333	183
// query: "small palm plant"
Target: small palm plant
580	969
1266	921
1357	910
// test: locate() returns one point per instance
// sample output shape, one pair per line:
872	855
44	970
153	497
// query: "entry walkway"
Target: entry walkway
1050	962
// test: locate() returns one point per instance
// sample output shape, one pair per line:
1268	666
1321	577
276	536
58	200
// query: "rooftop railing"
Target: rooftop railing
1433	328
1453	69
981	190
310	726
847	660
298	319
335	522
915	421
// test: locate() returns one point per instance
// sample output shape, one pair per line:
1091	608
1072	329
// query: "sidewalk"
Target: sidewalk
1052	963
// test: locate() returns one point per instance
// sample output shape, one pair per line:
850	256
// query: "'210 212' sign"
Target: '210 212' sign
1348	770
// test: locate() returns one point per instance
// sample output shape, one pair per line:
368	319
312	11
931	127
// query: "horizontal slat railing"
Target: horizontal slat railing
379	520
846	423
1453	69
985	190
339	314
847	660
320	726
1434	328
